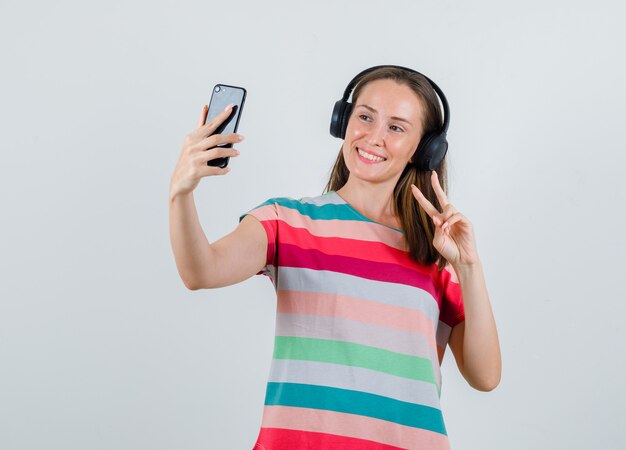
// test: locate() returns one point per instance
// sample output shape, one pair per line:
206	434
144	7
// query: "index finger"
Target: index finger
211	125
205	110
441	196
423	201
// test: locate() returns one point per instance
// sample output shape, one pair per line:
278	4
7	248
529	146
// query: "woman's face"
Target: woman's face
383	131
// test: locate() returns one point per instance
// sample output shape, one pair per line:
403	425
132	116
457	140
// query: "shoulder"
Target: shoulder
306	204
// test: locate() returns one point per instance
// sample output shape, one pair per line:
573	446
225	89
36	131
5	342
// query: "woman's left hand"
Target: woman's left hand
454	234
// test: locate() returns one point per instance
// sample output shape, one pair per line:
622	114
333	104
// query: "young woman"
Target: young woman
374	278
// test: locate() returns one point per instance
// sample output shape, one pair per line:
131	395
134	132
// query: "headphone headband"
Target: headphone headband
442	97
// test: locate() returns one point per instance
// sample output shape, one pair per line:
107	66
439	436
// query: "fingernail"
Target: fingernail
240	137
228	107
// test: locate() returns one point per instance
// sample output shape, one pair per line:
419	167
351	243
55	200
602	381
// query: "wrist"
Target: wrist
467	269
176	196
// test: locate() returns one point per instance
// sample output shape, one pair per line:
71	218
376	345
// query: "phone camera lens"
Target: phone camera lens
217	88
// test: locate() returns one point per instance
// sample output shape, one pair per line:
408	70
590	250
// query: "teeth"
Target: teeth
368	156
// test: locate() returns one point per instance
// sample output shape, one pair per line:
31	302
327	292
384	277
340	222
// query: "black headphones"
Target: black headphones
433	146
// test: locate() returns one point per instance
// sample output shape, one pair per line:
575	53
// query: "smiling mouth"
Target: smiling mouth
369	156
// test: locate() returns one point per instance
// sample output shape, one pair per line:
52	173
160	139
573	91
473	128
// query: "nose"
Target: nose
377	134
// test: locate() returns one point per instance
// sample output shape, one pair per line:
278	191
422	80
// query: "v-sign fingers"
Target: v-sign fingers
423	201
441	196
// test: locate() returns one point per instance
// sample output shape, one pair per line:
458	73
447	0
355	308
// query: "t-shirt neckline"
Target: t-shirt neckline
356	211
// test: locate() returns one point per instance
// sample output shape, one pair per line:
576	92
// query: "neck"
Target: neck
374	201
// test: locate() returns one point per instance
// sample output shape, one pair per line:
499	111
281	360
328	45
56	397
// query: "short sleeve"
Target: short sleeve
452	310
267	214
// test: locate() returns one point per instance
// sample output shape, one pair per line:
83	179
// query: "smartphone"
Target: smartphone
222	96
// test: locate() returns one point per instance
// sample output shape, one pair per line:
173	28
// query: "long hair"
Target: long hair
418	227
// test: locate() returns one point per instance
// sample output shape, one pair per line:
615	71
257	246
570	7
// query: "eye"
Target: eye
396	128
364	117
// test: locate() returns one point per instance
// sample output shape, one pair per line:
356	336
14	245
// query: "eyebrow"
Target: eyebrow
399	119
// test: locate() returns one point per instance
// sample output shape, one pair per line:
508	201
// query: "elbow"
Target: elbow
193	282
484	381
486	387
196	285
487	384
485	376
192	285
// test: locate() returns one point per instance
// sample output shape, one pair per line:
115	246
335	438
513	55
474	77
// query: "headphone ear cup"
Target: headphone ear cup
431	151
335	120
345	117
339	119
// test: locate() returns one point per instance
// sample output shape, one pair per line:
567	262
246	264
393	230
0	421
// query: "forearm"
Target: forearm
189	243
481	349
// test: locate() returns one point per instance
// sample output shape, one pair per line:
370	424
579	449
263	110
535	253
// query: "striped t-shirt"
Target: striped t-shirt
360	332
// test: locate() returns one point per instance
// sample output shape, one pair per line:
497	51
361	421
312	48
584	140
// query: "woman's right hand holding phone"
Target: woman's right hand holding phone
199	147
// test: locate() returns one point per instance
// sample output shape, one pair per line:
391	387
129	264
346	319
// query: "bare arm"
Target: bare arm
474	342
233	258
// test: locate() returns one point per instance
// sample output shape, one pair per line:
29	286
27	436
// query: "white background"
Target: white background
102	346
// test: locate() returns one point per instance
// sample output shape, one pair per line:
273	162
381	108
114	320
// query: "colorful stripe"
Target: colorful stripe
349	354
285	439
354	402
293	256
354	378
331	283
328	211
368	333
342	306
348	425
